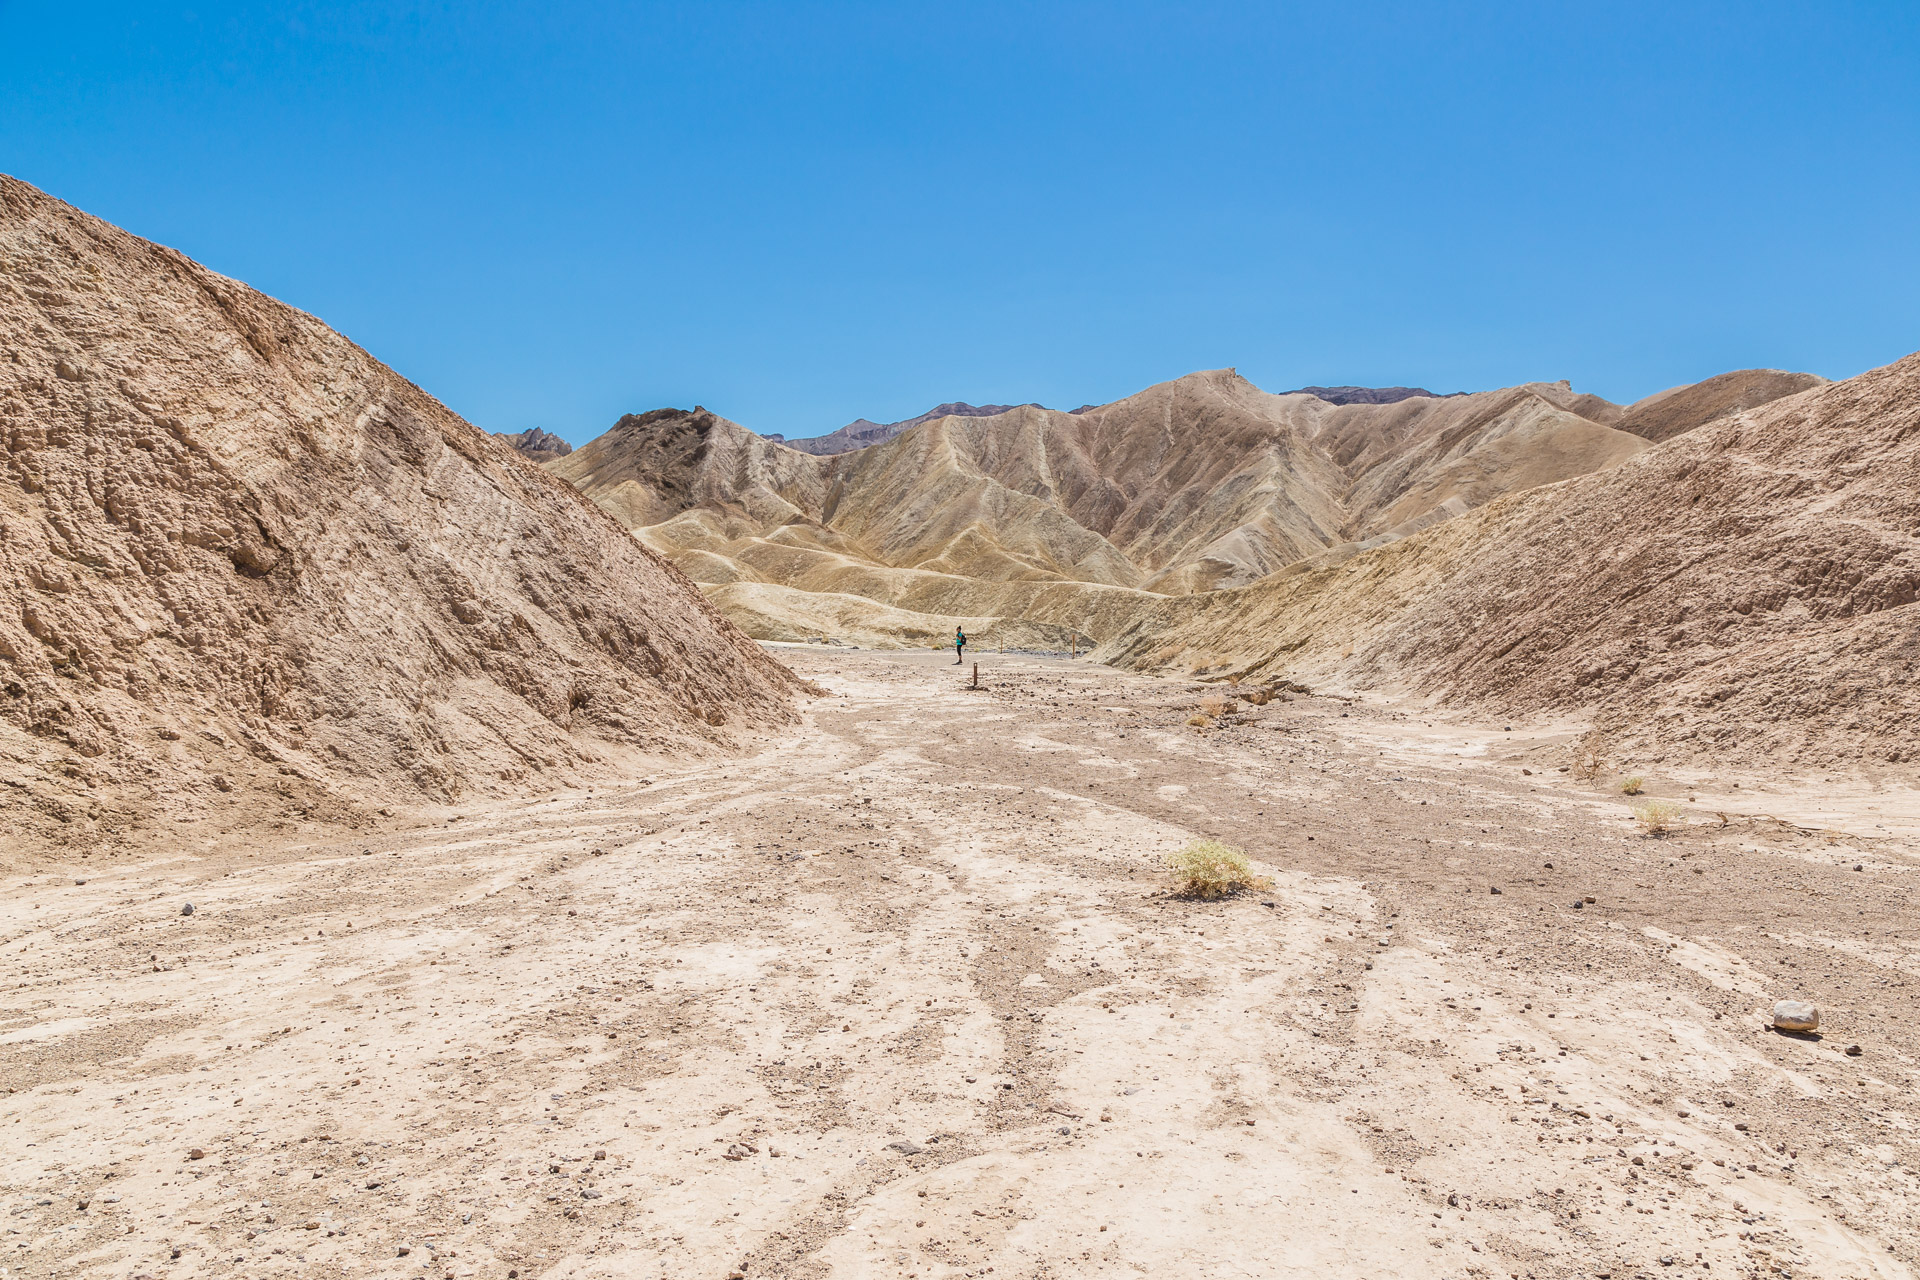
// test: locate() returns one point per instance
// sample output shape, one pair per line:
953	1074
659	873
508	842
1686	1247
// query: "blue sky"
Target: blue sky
797	214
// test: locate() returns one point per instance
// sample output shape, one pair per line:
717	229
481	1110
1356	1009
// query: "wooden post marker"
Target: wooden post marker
976	675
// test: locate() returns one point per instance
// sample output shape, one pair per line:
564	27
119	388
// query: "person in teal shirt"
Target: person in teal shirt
959	646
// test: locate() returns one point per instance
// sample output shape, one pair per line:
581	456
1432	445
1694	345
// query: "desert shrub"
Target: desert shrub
1213	704
1658	817
1632	786
1210	869
1588	763
1199	721
1258	697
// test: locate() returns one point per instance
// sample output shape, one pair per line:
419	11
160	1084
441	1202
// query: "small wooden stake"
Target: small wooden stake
976	675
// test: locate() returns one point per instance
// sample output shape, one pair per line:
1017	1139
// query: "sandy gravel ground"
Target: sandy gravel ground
901	994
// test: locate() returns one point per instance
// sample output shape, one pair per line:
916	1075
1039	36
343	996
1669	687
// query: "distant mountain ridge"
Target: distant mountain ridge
1371	395
862	432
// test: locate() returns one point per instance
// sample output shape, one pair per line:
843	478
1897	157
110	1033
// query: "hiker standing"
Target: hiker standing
959	646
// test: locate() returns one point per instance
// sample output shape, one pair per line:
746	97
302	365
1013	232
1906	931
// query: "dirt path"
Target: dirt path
900	995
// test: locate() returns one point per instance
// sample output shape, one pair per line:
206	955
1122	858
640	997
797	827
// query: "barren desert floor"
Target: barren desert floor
902	994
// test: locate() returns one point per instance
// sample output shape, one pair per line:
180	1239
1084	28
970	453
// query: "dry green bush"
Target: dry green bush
1210	869
1658	817
1213	704
1632	786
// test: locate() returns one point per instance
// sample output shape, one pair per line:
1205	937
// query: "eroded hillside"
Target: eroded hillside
252	575
1749	586
1072	522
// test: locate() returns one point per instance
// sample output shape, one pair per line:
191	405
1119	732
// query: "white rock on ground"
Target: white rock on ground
1795	1015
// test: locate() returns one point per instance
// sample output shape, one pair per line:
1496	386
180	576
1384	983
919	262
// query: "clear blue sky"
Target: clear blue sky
797	214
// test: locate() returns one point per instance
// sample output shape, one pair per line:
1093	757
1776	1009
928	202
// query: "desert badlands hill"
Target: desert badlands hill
1750	585
407	872
1036	526
251	574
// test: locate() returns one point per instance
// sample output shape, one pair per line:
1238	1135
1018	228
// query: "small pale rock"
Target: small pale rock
1795	1015
187	910
906	1147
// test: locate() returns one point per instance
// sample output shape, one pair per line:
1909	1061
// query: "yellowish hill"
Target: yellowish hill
1750	585
1076	521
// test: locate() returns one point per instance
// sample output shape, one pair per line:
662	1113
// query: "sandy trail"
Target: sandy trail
901	994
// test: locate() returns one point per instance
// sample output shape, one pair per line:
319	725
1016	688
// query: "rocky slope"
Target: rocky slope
1749	586
1677	410
250	574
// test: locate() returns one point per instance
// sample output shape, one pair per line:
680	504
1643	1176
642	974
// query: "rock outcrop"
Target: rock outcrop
536	445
